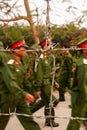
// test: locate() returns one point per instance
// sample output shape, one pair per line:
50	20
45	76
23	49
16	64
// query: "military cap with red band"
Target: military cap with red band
18	44
43	43
82	44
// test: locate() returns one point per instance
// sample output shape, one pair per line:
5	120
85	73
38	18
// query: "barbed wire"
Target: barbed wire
12	114
41	50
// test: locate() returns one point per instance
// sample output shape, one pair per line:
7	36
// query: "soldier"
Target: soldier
44	81
14	97
2	54
65	74
79	88
3	58
36	51
34	58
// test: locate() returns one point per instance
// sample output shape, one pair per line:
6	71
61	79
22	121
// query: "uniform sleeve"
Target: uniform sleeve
10	82
39	75
69	65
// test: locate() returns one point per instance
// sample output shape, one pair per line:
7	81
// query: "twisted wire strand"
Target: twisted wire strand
42	51
40	116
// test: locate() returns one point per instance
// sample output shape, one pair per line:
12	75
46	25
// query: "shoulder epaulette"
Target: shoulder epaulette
11	61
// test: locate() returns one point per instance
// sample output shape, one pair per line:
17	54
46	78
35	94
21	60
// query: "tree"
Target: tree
9	10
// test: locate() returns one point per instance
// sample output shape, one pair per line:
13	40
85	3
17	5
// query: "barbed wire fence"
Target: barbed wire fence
54	66
12	114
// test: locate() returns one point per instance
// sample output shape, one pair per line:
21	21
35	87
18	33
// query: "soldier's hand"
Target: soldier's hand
71	79
73	69
27	75
29	98
37	94
56	85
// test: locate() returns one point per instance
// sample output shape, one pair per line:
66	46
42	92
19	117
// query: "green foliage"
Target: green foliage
14	34
64	34
28	35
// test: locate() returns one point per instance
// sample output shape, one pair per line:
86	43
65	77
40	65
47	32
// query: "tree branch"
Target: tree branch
14	19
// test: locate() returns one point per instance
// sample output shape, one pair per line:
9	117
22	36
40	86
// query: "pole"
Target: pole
47	20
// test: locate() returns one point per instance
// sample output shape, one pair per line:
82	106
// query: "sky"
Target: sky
60	13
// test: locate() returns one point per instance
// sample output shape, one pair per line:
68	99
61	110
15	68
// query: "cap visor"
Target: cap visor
25	46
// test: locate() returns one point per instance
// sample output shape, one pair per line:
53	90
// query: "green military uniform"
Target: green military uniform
3	55
28	62
79	94
44	83
36	54
3	59
28	77
1	64
13	95
39	104
65	75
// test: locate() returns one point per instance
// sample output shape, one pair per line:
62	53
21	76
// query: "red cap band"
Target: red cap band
43	43
83	45
17	44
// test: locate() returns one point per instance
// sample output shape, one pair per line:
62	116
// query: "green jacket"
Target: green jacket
44	69
66	66
12	78
79	88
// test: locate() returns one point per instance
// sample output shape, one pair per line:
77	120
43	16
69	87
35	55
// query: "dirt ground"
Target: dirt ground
62	112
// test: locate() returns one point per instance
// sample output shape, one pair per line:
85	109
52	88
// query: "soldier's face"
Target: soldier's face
85	53
47	46
65	51
21	52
